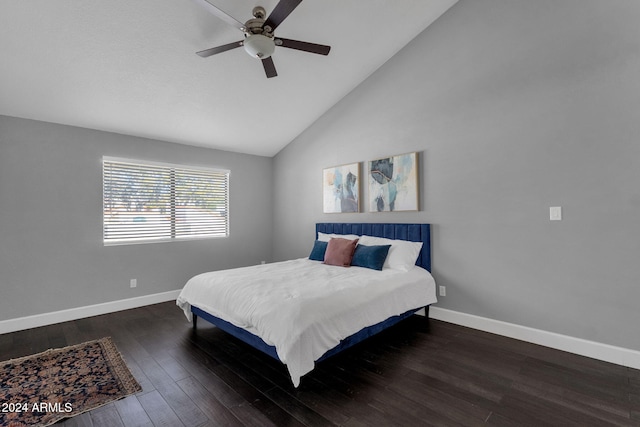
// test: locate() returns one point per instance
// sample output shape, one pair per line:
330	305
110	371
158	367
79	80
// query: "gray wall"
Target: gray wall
51	252
514	106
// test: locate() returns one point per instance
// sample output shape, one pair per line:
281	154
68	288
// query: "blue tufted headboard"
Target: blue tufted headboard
411	232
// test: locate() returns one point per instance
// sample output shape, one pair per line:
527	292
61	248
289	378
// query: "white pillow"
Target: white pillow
402	253
324	237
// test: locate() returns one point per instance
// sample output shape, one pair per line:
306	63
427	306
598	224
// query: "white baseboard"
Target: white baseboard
44	319
605	352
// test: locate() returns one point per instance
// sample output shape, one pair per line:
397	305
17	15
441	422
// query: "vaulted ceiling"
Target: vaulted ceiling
130	66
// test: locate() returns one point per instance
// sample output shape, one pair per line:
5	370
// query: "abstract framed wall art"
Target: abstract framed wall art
393	183
341	188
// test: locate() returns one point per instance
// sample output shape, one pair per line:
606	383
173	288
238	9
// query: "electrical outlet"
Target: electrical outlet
555	213
443	291
133	283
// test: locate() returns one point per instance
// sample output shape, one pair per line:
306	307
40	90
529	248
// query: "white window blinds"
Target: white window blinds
146	202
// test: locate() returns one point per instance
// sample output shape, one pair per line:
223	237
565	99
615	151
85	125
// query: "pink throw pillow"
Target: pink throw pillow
340	251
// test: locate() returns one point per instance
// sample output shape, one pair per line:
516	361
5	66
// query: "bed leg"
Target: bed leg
426	321
195	321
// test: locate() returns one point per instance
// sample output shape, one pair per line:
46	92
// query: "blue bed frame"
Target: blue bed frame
411	232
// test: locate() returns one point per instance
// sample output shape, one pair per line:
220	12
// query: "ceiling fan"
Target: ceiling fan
259	41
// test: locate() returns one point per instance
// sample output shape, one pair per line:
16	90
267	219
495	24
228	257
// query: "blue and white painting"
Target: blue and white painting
340	186
393	183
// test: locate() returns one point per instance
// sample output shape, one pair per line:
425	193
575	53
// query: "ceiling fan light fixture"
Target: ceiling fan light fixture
259	46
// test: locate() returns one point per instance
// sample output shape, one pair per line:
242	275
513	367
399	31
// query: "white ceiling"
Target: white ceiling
129	66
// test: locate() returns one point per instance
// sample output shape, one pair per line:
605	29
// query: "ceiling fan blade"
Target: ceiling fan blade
219	49
320	49
280	13
269	67
221	14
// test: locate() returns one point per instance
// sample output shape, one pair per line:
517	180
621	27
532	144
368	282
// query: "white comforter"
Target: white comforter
304	307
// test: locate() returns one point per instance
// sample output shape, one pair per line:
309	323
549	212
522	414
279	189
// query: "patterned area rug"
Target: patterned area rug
41	389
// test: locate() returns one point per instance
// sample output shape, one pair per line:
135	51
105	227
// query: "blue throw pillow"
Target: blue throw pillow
372	257
317	253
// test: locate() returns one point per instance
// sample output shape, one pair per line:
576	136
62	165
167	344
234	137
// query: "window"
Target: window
150	202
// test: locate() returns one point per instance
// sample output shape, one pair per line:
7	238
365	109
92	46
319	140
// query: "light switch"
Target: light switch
555	213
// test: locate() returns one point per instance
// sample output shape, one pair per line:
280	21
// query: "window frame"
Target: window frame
171	167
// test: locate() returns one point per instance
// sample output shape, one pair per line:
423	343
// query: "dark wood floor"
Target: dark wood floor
410	375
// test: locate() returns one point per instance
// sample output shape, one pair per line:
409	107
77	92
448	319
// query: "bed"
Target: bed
303	311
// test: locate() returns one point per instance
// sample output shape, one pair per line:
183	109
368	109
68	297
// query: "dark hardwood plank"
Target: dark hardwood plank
82	420
178	401
106	416
337	392
245	386
413	374
207	403
452	408
132	413
318	397
6	341
303	413
532	410
611	412
268	410
138	373
215	385
159	410
22	346
182	405
72	333
171	366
